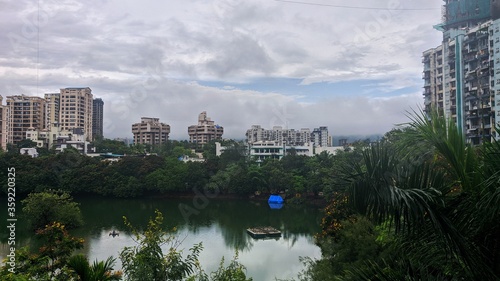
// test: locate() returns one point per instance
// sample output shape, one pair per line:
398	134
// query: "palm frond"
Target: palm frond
457	157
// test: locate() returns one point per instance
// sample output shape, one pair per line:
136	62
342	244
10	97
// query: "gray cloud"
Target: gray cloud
137	56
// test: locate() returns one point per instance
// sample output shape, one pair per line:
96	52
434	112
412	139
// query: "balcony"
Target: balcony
470	57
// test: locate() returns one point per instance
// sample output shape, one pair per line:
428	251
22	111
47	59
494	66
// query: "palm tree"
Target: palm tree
441	197
98	271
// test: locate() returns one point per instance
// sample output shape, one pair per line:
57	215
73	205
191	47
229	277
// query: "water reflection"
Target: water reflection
220	226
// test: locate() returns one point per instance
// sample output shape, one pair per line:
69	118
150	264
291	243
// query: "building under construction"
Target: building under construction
462	75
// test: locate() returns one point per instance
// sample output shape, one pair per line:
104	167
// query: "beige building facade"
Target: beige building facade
52	109
25	112
205	131
150	131
76	110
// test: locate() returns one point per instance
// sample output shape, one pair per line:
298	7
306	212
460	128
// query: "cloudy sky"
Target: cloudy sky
354	66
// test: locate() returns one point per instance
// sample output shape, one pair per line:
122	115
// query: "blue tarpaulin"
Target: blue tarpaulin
276	205
275	199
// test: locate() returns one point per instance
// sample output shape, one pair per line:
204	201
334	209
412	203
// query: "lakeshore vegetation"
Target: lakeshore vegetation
421	204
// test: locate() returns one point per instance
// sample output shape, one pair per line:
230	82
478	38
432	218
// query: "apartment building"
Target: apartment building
52	109
262	150
59	139
318	137
277	134
150	131
76	110
25	112
4	125
205	131
433	78
97	118
462	75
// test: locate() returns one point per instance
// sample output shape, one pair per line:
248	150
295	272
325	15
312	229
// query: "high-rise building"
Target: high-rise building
97	118
52	109
76	110
25	112
150	131
433	78
205	131
462	75
320	137
4	125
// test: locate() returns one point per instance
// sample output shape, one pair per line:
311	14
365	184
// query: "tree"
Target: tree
26	143
435	190
111	146
97	271
235	271
172	177
46	207
50	263
147	261
54	262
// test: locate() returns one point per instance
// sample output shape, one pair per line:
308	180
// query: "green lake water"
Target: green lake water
219	224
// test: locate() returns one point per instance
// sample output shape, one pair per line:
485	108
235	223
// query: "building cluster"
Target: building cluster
261	143
462	75
319	137
70	118
152	131
277	142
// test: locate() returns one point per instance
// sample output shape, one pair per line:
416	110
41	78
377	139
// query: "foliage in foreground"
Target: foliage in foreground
147	261
54	260
435	200
44	208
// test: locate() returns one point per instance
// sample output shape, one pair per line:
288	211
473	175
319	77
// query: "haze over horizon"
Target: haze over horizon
355	68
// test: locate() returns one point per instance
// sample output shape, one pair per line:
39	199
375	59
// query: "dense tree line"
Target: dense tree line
161	172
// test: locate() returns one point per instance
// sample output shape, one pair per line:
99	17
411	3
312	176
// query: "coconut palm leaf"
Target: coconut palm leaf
445	139
440	194
98	271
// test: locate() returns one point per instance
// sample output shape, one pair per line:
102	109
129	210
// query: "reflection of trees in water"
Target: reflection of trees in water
237	240
232	216
292	238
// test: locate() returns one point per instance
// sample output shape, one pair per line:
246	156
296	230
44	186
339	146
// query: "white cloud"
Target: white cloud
147	48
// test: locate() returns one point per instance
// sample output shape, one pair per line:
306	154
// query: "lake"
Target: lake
220	224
